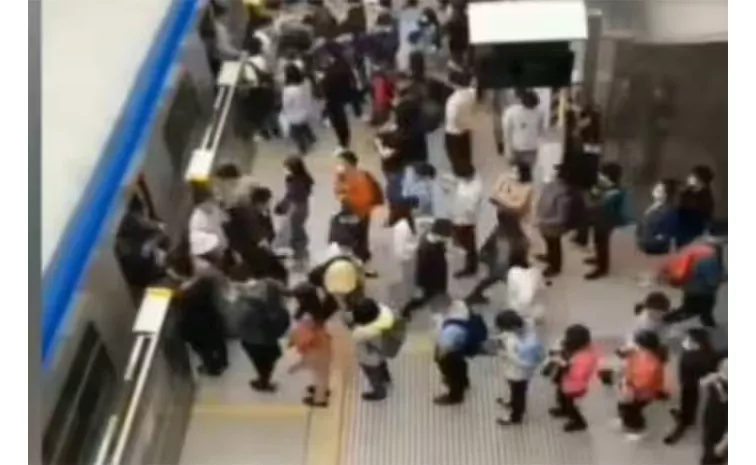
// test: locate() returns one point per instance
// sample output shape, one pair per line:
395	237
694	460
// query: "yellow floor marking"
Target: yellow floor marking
253	410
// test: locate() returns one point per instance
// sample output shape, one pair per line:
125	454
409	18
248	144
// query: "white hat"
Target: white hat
202	243
341	277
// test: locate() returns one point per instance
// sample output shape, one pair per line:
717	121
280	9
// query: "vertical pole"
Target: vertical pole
591	57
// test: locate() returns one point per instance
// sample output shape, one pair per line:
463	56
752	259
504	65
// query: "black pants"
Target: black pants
362	240
338	118
694	305
302	136
566	405
688	411
713	432
631	414
483	286
378	377
602	242
464	237
458	151
453	368
518	393
263	358
426	297
553	252
211	349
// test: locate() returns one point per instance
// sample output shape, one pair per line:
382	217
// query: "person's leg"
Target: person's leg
298	232
386	373
477	296
298	135
320	376
339	122
517	400
465	238
601	241
705	305
575	419
375	378
454	372
688	309
553	254
685	417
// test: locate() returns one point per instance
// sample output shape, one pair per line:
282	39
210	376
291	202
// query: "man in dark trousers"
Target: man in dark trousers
432	268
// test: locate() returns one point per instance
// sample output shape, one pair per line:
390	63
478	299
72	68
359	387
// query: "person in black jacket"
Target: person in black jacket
263	261
696	206
698	360
431	266
339	88
715	416
296	205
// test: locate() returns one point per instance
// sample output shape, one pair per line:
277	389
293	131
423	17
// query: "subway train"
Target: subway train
113	391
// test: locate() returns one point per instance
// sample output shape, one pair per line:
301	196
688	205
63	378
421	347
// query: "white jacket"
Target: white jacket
404	241
209	218
509	348
466	198
525	291
522	127
297	103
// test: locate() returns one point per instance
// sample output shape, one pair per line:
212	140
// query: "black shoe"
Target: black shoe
465	273
311	391
550	273
309	401
507	422
542	258
572	427
556	412
446	399
261	386
595	274
371	274
373	396
590	261
502	402
674	437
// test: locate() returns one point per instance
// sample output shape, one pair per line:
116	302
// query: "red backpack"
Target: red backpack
645	375
679	268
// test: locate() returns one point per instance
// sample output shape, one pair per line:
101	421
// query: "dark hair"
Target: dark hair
459	77
253	45
465	170
657	301
612	171
701	337
365	311
298	169
576	338
703	173
528	98
442	227
509	320
228	171
519	257
425	170
670	188
260	195
293	76
308	302
349	157
524	172
649	340
201	193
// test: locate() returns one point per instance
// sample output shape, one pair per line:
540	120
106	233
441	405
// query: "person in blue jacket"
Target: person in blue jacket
657	227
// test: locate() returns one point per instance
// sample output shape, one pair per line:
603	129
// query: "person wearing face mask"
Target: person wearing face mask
698	359
696	206
606	212
715	416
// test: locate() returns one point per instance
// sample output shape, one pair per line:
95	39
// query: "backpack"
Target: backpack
645	375
680	268
532	352
476	336
394	337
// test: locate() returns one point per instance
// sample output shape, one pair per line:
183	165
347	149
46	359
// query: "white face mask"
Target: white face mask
692	181
688	345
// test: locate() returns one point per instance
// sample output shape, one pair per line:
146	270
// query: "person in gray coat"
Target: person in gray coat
552	212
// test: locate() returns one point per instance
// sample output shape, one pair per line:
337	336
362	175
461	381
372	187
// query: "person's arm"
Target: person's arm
224	44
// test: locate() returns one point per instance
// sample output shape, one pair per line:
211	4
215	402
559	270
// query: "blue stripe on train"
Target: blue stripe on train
74	252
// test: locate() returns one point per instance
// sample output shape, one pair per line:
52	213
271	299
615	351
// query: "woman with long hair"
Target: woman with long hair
296	206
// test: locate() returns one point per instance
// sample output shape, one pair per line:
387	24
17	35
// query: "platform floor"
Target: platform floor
233	425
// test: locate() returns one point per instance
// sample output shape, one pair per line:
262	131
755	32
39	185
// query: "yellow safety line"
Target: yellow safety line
252	410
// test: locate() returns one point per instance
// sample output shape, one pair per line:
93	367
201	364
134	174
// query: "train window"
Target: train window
72	435
181	121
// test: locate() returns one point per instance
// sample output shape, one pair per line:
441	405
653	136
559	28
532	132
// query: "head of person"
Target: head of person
365	311
202	195
523	173
347	162
650	342
716	233
610	174
253	45
664	191
293	76
260	198
459	78
656	304
440	231
577	337
700	177
697	339
308	302
528	98
509	321
295	166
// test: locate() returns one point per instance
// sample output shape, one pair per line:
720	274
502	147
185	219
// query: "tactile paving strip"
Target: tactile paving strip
408	429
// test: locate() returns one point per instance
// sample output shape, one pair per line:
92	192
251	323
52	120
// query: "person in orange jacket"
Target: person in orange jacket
362	193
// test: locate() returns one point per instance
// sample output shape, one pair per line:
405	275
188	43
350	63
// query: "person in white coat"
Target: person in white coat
404	235
207	217
526	289
523	126
465	201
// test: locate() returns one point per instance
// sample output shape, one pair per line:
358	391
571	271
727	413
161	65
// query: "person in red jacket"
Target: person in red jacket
575	363
383	90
